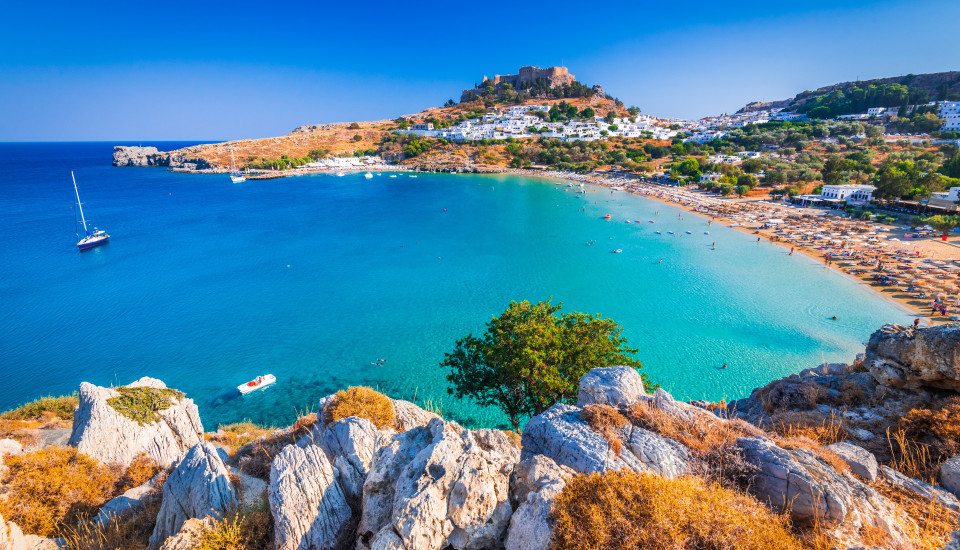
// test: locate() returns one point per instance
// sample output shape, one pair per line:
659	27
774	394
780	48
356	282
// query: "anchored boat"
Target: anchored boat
235	175
89	240
257	383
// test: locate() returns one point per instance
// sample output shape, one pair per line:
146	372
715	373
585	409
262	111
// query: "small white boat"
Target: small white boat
670	232
658	233
368	175
235	175
689	233
413	176
393	175
257	383
617	251
706	232
341	174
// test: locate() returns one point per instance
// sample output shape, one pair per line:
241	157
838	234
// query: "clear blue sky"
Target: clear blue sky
175	70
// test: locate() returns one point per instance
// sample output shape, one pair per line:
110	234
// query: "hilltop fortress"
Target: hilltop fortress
554	76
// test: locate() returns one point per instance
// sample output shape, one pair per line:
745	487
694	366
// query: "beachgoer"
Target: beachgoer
834	317
724	365
758	240
916	322
791	251
661	260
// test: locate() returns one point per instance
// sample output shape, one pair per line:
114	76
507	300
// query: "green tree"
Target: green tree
529	358
747	180
742	190
588	113
726	189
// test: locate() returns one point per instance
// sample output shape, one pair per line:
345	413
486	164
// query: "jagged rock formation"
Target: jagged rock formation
950	475
861	461
912	358
309	508
106	435
612	386
198	487
150	156
536	483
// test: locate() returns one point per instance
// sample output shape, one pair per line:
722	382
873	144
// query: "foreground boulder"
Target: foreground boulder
103	433
913	358
309	508
439	486
132	500
536	483
861	461
614	386
813	493
198	487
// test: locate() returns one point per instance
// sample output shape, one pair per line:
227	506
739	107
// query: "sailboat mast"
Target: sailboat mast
84	220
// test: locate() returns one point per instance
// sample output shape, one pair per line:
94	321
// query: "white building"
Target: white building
950	113
850	193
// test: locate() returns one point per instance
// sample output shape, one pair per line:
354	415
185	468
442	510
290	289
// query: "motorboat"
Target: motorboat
368	175
257	383
617	251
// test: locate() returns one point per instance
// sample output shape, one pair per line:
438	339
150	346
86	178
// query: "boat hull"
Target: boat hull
87	244
267	380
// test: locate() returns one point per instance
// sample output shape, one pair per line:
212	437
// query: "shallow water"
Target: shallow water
206	284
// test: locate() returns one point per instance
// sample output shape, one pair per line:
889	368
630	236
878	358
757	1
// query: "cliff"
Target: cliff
185	159
369	472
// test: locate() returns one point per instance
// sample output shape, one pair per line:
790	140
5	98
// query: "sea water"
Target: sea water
206	284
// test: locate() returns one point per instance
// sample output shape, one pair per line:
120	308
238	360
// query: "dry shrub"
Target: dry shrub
813	426
54	487
45	408
911	458
831	458
514	437
255	457
710	440
234	436
249	528
129	532
362	402
627	510
605	420
24	432
140	471
931	523
938	427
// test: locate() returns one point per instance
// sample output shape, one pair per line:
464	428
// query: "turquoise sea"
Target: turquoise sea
206	284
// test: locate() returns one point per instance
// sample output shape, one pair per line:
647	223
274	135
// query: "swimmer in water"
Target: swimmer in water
724	366
661	260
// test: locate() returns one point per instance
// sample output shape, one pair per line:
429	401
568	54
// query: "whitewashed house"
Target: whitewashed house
848	192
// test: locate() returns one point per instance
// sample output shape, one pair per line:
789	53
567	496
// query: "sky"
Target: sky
129	71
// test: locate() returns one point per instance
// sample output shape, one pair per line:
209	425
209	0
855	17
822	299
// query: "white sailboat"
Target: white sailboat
89	240
235	175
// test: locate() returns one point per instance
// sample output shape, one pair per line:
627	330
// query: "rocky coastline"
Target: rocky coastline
815	448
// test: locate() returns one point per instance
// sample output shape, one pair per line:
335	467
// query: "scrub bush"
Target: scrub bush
362	402
143	404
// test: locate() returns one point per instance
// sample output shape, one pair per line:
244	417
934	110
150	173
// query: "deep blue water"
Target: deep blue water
206	284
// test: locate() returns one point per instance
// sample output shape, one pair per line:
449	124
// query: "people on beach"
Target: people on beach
791	251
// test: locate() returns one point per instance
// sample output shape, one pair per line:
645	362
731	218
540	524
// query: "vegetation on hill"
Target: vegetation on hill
855	99
362	402
144	404
530	358
44	408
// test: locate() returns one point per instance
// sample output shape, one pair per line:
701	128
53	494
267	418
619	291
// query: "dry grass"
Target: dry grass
25	432
54	487
605	420
140	471
514	437
911	458
626	510
831	458
249	528
235	436
937	427
130	532
45	409
255	457
362	402
931	523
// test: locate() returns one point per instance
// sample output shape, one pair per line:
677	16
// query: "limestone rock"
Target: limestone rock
410	416
614	386
132	500
9	447
535	484
198	487
861	461
309	508
252	490
189	534
562	435
36	542
104	434
922	488
950	475
814	493
350	444
913	358
150	156
450	487
11	537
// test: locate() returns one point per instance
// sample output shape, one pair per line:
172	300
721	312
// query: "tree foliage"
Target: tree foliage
529	358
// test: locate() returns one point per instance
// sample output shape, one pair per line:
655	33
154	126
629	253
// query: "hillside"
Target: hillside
864	94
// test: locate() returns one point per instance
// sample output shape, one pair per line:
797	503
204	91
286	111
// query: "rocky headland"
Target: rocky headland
843	456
